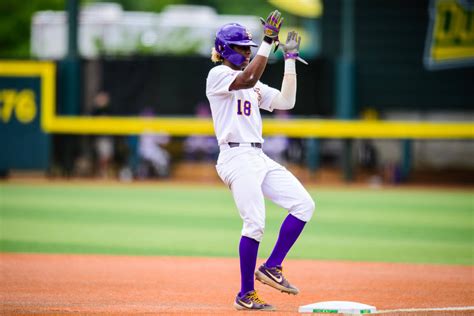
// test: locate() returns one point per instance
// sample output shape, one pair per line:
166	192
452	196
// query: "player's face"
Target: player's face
244	51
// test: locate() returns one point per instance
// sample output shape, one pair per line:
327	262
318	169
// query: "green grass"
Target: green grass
365	225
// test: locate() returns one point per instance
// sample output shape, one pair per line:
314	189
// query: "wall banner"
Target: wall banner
450	37
26	87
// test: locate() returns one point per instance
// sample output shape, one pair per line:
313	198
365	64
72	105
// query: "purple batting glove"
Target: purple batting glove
271	27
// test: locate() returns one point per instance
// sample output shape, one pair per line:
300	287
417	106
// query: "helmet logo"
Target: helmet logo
249	35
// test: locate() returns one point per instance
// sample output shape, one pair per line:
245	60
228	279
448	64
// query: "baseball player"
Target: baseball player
236	96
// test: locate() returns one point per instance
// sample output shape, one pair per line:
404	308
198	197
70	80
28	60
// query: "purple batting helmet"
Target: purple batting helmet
232	34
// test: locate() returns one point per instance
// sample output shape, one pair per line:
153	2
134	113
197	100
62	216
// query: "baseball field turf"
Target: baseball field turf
394	225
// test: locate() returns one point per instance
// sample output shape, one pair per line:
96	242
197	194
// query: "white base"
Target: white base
338	307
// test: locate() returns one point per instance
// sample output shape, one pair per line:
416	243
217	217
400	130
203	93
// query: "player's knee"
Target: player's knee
310	205
304	210
253	229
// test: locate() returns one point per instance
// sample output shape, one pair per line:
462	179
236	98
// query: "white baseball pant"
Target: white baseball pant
252	175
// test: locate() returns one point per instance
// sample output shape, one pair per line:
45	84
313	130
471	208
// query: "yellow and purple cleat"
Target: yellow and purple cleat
250	301
274	278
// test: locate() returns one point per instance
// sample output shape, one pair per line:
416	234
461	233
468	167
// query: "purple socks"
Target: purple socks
289	232
248	250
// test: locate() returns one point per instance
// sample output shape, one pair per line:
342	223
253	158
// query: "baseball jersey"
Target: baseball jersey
236	113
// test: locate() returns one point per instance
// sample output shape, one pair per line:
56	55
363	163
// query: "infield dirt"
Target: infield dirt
100	284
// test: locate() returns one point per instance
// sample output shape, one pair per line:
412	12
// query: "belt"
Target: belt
257	145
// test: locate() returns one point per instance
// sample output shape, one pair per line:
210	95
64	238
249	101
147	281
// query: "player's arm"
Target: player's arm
253	72
285	100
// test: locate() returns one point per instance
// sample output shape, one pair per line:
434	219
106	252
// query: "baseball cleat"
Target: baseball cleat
251	301
274	278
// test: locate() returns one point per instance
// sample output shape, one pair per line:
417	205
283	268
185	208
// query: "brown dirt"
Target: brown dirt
322	180
99	284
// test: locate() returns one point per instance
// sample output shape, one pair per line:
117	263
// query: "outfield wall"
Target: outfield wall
43	107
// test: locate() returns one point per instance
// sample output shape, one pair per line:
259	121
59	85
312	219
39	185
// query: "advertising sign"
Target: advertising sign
450	37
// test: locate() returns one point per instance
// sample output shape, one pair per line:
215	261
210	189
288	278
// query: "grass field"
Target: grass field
399	225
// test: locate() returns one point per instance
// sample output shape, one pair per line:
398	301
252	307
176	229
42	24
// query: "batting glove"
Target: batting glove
292	46
271	27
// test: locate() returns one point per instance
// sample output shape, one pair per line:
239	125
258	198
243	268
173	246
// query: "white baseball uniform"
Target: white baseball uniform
248	171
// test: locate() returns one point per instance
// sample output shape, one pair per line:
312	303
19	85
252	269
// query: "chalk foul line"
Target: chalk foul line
440	309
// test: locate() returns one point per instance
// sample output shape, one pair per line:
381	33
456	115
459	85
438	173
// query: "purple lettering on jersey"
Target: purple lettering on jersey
239	107
247	108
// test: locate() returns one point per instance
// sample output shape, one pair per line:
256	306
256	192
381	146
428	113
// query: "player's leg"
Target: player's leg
250	202
244	173
282	187
286	191
160	160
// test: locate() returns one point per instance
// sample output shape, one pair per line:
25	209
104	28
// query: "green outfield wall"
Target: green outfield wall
26	89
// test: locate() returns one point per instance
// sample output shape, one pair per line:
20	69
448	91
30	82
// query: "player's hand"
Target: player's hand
271	27
291	48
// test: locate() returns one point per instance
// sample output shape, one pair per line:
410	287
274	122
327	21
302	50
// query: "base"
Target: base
338	307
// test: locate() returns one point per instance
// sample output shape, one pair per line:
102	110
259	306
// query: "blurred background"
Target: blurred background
369	61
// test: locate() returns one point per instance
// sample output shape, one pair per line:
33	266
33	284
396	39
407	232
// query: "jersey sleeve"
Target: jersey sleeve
266	95
219	80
